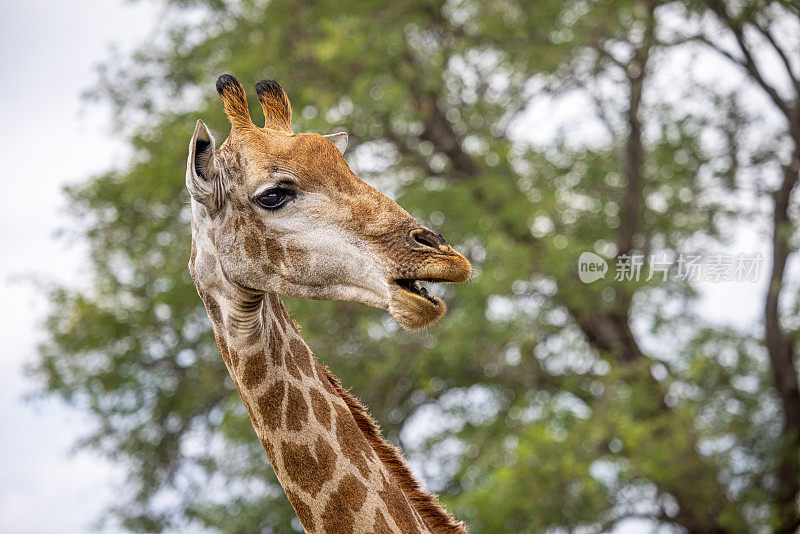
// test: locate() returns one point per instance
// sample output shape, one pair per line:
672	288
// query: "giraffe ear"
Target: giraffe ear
202	178
339	139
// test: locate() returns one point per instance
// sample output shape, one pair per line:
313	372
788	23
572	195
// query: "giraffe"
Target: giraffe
279	213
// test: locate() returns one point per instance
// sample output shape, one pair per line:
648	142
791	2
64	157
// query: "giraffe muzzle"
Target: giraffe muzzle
410	301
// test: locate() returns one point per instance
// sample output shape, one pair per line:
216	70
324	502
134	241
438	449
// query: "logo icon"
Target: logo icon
591	267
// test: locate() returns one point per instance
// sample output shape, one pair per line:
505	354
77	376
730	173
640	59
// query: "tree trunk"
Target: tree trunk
781	355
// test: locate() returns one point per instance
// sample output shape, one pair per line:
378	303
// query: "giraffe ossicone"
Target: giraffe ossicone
278	213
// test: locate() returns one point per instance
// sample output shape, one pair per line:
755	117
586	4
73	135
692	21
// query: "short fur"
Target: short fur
275	104
234	100
334	237
426	504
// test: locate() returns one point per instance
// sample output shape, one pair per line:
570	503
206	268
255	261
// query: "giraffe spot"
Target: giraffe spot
254	337
296	409
277	311
234	359
321	408
252	246
270	405
269	449
309	471
214	311
275	304
339	514
302	510
352	442
254	220
301	356
255	370
274	251
381	525
290	324
325	378
291	366
275	348
398	506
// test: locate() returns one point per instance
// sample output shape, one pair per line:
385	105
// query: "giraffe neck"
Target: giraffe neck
336	469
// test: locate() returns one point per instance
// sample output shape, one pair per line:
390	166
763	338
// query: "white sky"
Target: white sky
50	138
48	50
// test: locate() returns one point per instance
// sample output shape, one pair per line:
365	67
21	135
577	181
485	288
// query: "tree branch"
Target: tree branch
636	72
782	55
749	63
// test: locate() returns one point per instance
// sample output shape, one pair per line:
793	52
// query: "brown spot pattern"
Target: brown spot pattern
324	377
255	369
275	348
252	246
398	506
339	514
274	251
352	442
270	405
291	366
301	356
302	510
434	515
321	407
234	359
356	432
288	324
269	449
255	337
381	526
296	409
309	471
214	310
278	310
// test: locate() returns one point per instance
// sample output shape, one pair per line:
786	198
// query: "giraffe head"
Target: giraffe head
275	211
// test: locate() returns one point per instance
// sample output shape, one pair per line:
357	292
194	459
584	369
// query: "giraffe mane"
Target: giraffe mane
426	504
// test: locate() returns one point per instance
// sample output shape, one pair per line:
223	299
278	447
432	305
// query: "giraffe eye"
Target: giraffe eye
274	198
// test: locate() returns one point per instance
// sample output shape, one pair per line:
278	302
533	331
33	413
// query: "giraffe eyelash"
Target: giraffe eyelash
281	183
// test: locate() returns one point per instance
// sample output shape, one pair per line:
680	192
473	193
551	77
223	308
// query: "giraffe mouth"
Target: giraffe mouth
413	286
412	305
410	301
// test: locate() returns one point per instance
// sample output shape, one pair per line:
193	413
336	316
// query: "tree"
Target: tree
755	33
555	403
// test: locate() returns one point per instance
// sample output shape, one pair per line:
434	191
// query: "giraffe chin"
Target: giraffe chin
412	310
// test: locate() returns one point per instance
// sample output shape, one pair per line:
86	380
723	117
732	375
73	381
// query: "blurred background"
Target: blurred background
661	137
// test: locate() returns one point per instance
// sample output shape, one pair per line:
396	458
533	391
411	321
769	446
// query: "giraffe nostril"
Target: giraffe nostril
428	239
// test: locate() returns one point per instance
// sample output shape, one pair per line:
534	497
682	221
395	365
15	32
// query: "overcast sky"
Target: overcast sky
49	137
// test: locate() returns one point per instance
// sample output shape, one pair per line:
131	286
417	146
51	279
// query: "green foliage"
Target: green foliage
540	423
